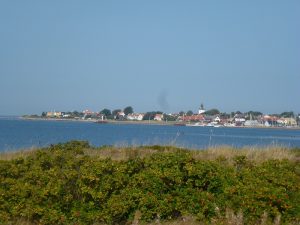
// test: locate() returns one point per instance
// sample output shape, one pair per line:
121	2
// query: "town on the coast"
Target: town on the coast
211	118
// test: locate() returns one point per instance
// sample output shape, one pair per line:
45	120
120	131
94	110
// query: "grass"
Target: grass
256	154
23	153
230	218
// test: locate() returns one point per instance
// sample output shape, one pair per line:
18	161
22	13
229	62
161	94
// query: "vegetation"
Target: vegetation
212	112
74	183
151	115
128	110
170	117
287	114
181	113
31	116
189	113
116	111
75	114
255	113
106	112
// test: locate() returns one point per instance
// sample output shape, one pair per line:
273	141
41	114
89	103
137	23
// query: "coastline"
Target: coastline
143	122
151	122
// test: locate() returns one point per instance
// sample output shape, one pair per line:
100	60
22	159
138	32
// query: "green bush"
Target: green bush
62	185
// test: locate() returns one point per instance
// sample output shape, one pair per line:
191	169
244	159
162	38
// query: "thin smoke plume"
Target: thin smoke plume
162	100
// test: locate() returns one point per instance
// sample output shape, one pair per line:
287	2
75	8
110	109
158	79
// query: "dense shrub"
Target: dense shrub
62	185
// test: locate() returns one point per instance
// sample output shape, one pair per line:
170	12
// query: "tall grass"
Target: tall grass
256	154
23	153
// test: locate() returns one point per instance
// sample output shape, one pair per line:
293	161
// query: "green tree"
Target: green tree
148	116
169	117
287	114
88	116
77	114
128	110
189	113
255	113
181	113
151	115
116	111
225	115
44	114
212	112
106	112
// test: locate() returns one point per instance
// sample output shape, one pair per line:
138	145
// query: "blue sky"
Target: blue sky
152	55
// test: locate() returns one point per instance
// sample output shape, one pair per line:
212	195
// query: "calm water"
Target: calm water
17	134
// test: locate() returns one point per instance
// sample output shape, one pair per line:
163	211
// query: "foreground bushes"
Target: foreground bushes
63	185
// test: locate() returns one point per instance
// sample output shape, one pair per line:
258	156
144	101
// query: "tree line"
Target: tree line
115	114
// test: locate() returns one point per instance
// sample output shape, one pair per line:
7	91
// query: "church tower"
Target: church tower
201	109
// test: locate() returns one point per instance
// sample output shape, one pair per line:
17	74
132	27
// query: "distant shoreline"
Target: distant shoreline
143	122
151	122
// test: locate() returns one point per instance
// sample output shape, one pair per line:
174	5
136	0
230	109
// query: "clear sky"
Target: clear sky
152	55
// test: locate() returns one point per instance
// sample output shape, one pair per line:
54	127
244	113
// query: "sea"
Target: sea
17	134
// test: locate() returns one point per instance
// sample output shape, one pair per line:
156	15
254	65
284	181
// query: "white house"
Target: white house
217	119
122	114
252	123
135	116
158	117
239	119
267	124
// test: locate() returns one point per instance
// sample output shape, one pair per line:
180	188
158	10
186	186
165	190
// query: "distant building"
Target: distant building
268	121
289	121
217	119
195	118
252	123
158	117
54	114
121	114
201	109
87	112
135	116
49	114
267	124
239	120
